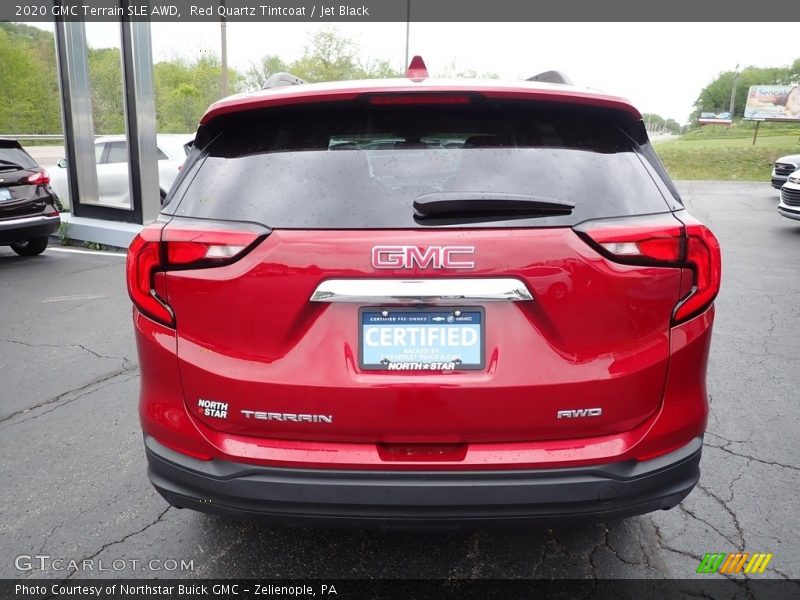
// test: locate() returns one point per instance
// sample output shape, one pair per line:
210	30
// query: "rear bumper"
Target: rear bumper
27	228
294	496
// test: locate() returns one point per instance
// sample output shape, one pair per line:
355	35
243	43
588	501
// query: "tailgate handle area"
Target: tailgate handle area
422	291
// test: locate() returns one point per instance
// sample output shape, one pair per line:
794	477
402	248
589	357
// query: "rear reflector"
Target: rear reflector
663	241
182	244
422	452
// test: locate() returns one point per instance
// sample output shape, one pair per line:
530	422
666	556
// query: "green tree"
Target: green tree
328	57
185	89
673	126
793	75
259	71
331	57
181	109
378	69
105	78
453	70
28	81
31	102
653	121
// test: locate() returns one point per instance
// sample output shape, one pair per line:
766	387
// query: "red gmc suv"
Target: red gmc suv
418	302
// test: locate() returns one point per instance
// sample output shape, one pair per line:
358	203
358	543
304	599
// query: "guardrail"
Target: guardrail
36	136
33	136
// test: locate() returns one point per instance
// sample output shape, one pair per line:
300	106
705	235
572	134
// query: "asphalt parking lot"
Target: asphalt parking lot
73	466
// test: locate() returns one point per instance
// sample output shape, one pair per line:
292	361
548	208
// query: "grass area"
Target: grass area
743	129
726	158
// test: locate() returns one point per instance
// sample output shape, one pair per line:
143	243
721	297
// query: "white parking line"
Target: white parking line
94	252
75	297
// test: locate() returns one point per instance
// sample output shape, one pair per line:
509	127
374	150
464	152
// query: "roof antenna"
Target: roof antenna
417	71
282	80
552	77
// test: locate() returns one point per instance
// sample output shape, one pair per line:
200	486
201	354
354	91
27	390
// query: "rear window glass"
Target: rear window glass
171	149
16	156
357	166
118	153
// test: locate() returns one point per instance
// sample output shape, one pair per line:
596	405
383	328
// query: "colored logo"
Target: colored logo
738	562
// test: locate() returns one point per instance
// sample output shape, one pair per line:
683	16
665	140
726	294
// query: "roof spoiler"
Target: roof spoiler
552	77
282	80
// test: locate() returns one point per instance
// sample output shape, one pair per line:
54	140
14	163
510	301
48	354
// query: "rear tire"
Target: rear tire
31	247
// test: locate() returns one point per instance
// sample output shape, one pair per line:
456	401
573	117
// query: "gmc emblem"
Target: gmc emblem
412	257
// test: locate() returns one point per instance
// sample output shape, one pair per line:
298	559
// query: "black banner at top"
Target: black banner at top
394	10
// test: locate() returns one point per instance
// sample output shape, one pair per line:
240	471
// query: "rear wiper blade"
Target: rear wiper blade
8	164
478	205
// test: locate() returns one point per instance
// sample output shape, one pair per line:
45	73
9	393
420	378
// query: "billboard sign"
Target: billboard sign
773	103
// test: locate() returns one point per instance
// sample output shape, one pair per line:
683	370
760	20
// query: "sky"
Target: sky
660	67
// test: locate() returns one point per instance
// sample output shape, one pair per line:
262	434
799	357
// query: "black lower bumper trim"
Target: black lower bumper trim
24	229
423	498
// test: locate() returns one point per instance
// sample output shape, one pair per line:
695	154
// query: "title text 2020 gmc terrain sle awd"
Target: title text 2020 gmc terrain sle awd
417	302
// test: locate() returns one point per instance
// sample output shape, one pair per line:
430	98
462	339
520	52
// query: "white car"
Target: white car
111	154
789	205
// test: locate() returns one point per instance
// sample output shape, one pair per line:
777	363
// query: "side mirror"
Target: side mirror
62	163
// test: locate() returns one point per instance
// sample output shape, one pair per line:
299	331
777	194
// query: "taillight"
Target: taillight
39	178
144	260
182	244
703	256
663	241
196	244
655	239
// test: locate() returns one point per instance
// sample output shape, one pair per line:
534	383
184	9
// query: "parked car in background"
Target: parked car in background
28	211
789	205
488	304
784	166
111	154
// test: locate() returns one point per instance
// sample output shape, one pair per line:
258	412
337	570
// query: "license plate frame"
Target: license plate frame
461	315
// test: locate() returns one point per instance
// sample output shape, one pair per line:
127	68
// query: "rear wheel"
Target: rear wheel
30	247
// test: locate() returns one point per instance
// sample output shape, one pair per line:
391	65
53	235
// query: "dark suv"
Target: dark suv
28	206
428	303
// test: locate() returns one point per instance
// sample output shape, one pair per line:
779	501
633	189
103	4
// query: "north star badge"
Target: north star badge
210	408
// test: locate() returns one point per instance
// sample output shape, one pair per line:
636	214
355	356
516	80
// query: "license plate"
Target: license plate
5	194
421	339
